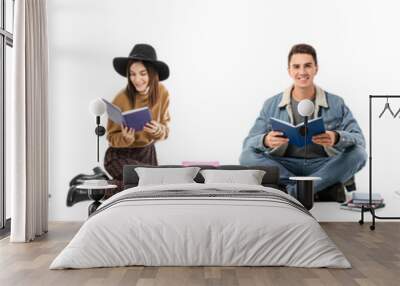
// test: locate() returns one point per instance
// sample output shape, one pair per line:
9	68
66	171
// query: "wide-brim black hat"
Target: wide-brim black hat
142	52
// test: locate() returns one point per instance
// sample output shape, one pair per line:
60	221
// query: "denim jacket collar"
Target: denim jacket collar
320	97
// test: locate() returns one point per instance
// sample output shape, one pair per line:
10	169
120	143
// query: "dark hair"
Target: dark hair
153	84
302	49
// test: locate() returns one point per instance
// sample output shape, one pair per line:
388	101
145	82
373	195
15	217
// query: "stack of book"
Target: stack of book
362	199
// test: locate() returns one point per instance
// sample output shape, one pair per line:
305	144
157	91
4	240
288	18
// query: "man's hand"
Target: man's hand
327	139
275	139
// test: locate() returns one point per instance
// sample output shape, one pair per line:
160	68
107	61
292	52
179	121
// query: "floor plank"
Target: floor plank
374	255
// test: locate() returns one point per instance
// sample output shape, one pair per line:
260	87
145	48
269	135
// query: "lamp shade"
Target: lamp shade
305	107
97	107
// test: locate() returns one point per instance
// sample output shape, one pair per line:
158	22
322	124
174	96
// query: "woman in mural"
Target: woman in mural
127	146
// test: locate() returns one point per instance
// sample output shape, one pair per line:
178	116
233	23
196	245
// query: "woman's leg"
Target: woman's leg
116	158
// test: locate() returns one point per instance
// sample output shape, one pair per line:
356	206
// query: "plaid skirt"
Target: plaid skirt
116	158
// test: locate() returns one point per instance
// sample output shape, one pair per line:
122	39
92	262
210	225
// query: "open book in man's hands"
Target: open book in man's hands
295	133
135	118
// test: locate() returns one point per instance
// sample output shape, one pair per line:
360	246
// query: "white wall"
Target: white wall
226	57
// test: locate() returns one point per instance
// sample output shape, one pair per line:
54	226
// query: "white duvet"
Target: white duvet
200	231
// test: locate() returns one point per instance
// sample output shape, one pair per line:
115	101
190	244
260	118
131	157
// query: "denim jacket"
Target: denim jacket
335	114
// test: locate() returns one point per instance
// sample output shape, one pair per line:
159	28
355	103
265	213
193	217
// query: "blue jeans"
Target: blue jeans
332	170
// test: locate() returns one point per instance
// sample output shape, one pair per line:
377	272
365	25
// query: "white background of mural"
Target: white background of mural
226	58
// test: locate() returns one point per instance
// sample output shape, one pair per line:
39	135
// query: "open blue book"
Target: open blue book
296	133
135	118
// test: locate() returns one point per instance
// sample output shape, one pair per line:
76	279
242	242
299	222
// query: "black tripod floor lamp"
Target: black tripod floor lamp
97	107
305	184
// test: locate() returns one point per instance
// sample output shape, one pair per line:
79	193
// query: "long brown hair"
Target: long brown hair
153	84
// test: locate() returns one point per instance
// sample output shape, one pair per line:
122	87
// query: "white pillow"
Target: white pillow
248	177
165	176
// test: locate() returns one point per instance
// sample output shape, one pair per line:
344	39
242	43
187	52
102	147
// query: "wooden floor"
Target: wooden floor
374	255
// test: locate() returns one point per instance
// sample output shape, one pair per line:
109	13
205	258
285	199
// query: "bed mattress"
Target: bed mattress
201	225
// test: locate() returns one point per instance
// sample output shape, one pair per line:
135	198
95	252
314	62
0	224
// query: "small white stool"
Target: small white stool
95	193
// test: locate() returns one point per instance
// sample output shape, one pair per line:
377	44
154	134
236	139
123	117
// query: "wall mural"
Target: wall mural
307	133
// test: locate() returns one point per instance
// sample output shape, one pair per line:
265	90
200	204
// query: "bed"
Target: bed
201	224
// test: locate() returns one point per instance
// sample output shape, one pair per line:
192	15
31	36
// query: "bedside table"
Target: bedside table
95	193
305	190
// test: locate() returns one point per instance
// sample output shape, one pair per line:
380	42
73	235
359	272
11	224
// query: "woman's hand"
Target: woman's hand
128	133
152	128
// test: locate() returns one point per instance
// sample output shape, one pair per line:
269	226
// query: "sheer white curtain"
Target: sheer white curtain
28	121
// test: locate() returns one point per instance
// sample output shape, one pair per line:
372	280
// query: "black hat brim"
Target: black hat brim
120	66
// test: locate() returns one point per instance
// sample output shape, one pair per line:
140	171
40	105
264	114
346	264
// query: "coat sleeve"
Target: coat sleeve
349	131
261	127
164	119
115	137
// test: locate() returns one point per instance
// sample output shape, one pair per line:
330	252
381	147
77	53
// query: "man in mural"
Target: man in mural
335	155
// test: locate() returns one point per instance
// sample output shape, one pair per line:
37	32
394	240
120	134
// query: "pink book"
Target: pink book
208	163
